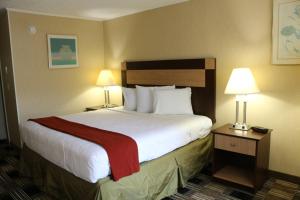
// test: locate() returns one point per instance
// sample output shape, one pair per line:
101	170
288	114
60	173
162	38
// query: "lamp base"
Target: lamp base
239	126
109	105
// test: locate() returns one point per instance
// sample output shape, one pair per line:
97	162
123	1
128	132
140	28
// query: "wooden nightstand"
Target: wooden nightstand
92	108
241	157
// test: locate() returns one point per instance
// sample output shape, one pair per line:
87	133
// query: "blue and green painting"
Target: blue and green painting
290	31
63	51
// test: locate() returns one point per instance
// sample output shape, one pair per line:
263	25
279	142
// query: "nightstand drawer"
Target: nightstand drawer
235	144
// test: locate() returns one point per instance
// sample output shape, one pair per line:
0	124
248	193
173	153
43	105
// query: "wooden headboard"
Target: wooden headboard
199	74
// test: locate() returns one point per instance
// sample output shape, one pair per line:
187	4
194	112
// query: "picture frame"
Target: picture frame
286	32
62	51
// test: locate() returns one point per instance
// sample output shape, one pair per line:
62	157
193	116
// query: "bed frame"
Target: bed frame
199	74
157	178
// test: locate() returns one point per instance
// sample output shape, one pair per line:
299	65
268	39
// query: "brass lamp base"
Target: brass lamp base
239	126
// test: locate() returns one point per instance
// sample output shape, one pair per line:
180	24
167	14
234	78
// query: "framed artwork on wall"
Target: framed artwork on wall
62	51
286	32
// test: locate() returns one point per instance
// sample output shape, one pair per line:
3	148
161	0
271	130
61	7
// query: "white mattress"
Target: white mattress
89	161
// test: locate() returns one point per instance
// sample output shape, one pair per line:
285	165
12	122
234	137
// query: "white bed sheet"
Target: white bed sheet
155	136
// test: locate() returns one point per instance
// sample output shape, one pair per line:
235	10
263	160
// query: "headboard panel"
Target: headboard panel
199	74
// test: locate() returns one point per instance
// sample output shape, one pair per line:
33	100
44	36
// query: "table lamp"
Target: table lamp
105	79
241	83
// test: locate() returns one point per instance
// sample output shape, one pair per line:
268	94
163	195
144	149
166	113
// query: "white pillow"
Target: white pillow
144	96
129	98
176	101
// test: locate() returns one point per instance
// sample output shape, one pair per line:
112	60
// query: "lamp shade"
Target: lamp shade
241	82
105	78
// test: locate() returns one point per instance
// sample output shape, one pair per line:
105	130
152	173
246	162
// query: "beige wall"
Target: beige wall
42	91
237	33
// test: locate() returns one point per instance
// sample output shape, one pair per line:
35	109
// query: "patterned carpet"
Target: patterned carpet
203	188
15	187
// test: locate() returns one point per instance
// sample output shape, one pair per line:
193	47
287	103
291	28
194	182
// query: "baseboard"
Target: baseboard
283	176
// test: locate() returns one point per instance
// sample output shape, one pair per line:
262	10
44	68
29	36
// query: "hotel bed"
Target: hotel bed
172	148
89	161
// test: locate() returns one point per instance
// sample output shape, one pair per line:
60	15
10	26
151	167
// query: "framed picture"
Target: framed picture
62	50
286	32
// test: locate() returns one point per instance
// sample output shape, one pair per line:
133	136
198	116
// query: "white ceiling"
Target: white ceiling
88	9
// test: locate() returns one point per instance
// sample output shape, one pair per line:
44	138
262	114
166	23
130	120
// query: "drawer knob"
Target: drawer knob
232	144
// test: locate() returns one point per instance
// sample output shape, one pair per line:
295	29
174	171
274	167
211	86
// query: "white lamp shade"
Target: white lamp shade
241	82
105	78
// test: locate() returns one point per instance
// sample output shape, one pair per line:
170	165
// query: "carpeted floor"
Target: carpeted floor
15	187
203	188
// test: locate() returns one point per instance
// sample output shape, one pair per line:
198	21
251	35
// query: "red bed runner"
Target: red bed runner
122	150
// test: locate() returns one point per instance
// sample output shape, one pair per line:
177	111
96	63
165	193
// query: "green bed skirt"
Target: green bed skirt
156	179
